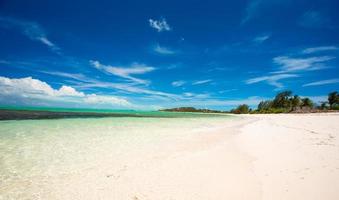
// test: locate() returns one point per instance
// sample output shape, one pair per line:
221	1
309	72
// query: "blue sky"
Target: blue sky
158	54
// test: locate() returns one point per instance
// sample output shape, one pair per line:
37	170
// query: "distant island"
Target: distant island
192	109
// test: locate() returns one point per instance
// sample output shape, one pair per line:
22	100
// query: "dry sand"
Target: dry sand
296	155
293	157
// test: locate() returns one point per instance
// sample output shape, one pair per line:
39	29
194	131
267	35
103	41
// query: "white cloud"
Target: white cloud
190	96
159	25
99	99
84	82
158	99
226	103
36	92
201	82
178	83
288	64
30	29
271	80
261	38
35	88
46	42
125	87
322	82
79	77
319	49
125	72
69	91
22	89
163	50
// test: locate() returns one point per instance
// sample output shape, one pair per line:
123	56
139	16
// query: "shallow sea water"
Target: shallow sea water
34	153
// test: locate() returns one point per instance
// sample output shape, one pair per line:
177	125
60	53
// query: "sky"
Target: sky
147	55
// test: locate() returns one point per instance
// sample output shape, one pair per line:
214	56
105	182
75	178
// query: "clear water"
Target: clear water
119	113
34	153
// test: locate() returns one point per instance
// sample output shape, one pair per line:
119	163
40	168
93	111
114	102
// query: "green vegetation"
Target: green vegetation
192	109
285	102
241	109
333	100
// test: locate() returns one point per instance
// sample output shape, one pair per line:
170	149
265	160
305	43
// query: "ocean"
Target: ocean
37	155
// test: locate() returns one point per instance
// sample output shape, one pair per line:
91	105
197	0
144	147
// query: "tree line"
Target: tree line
191	109
285	102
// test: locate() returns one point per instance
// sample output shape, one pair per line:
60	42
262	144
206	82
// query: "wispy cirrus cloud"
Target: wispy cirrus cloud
159	25
30	29
163	50
261	38
89	83
271	80
76	76
125	71
191	95
319	49
128	88
223	103
178	83
322	82
200	82
84	82
181	82
289	64
292	67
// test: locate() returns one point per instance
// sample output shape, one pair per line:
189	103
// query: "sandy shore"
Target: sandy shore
258	157
296	156
269	157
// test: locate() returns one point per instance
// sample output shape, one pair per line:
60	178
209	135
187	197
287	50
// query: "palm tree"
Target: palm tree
333	98
282	100
306	102
241	109
265	105
323	105
295	101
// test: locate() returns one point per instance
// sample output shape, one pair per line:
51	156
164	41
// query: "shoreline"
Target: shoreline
258	157
35	114
7	114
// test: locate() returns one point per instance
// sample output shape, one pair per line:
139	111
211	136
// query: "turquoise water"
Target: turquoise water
35	154
137	113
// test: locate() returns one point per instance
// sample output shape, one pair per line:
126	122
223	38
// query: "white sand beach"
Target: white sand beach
296	156
287	156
